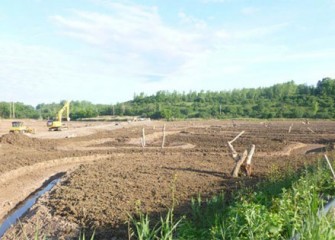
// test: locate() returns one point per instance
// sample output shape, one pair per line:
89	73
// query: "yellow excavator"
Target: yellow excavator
19	127
57	125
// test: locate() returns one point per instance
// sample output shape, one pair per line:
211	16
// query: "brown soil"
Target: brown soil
24	141
109	175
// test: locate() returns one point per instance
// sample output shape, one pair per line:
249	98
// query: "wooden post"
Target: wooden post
239	135
143	137
233	151
163	142
251	153
310	130
239	160
239	163
289	130
13	110
248	168
230	145
330	166
10	110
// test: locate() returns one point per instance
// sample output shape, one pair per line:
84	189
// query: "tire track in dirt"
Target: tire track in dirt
89	130
134	143
28	179
298	147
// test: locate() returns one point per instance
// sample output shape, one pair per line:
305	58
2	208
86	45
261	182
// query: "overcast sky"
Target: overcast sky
104	51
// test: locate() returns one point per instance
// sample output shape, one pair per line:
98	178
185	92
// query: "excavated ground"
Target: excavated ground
109	175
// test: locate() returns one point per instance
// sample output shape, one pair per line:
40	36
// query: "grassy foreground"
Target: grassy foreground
285	206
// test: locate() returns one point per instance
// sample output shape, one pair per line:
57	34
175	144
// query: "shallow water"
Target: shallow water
18	212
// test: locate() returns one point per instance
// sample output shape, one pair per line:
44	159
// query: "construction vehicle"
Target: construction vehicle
57	125
19	127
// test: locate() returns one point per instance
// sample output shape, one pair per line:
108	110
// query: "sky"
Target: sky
105	51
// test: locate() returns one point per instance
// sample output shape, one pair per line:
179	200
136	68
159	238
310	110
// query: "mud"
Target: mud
110	176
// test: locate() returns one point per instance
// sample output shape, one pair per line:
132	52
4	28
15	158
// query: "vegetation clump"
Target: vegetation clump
286	206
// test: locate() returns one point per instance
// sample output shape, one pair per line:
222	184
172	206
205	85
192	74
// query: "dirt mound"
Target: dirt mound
21	140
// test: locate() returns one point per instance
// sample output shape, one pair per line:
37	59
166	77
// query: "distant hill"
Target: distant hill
286	100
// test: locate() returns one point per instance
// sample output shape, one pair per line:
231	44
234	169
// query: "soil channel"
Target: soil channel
24	206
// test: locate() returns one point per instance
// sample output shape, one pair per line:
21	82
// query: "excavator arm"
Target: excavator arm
57	125
66	108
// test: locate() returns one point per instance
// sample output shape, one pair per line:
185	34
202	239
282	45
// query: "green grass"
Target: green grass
284	206
165	229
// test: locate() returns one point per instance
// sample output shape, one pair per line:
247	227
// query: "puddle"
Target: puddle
22	208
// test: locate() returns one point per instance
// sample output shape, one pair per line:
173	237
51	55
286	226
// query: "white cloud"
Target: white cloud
232	66
250	11
136	35
36	74
222	34
141	48
125	48
260	31
190	20
251	34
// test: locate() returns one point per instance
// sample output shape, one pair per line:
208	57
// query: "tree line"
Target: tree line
285	100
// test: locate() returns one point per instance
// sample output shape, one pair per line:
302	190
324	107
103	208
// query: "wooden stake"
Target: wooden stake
142	143
13	110
238	164
239	135
289	130
239	160
10	110
143	138
248	168
163	142
251	153
230	145
310	130
330	166
233	152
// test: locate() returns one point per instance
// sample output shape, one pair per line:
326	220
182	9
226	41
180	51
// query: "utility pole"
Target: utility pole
10	110
13	110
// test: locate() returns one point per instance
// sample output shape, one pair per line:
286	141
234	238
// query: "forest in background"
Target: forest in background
285	100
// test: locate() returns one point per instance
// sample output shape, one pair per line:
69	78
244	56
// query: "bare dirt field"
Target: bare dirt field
108	175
